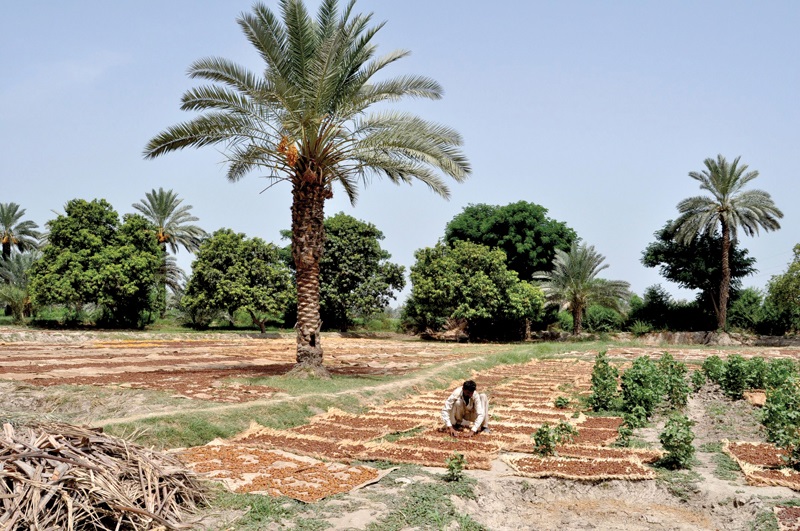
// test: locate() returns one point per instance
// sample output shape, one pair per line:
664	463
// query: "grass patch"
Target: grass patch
764	521
199	427
680	483
392	437
429	505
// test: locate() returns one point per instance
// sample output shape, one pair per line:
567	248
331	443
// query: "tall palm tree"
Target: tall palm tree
304	120
173	221
573	283
15	233
729	208
14	286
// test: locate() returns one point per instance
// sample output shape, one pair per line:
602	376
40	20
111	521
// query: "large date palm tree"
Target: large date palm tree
15	233
304	119
729	207
573	283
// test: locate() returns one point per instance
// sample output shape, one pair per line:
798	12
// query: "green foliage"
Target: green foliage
172	221
470	282
636	417
356	278
677	439
781	413
455	467
545	439
782	303
746	311
714	369
565	321
624	434
573	281
93	259
640	328
698	379
562	402
232	272
779	371
696	265
14	282
674	379
16	234
643	386
522	230
756	370
604	383
734	377
600	319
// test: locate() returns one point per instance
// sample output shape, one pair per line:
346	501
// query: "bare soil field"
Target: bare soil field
590	485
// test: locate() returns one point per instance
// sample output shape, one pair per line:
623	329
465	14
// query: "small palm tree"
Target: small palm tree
728	208
172	221
304	120
15	233
14	285
573	283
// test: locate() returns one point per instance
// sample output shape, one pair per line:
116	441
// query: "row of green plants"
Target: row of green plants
649	384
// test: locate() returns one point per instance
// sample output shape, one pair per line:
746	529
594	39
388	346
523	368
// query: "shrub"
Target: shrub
779	371
714	367
624	434
734	377
674	377
601	319
677	440
698	380
642	385
455	467
781	413
562	402
545	439
756	370
604	383
640	328
565	321
636	418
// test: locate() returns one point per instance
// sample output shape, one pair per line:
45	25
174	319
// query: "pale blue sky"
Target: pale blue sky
595	110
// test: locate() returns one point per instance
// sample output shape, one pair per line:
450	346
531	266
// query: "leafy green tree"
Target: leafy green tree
573	283
695	264
92	258
232	272
728	208
746	311
15	233
305	120
677	439
470	282
642	387
782	303
356	277
14	289
522	230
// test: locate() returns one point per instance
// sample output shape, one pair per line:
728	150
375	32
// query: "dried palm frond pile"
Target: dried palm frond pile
59	476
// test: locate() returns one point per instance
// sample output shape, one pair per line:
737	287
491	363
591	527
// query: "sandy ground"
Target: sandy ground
193	369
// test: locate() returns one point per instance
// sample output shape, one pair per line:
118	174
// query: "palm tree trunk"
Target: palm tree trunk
308	238
577	319
725	284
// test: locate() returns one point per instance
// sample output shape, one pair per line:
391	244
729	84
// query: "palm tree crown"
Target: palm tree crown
14	233
728	208
173	221
305	121
573	283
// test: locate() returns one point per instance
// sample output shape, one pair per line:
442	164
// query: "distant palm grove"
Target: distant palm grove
316	116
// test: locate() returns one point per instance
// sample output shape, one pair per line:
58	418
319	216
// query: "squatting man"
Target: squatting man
465	408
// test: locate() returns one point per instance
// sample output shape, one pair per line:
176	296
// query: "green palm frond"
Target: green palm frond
317	84
172	220
728	205
16	233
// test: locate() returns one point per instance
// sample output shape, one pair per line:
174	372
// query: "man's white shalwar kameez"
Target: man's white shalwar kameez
457	411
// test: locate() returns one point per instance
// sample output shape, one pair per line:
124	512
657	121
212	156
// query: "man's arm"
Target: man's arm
480	409
447	411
